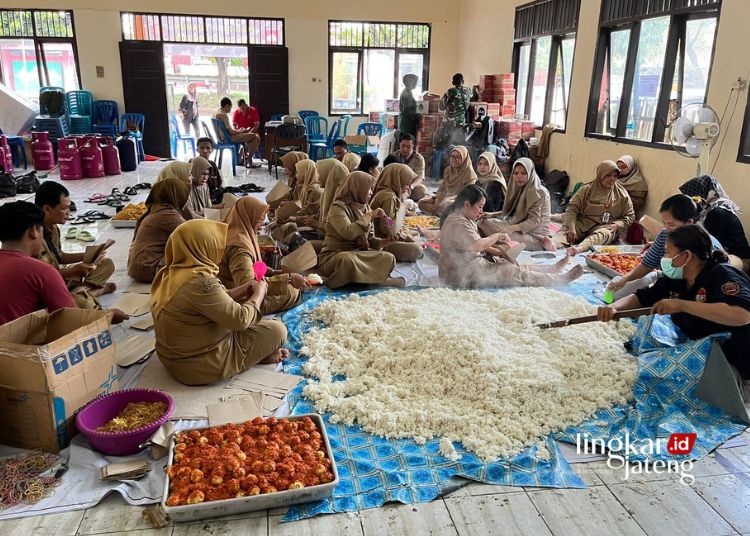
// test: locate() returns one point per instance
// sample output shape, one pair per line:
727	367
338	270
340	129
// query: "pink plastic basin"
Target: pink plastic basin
102	410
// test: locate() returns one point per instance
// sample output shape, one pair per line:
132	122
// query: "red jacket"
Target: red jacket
247	119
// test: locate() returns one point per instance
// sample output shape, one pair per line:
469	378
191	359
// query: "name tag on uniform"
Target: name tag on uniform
605	217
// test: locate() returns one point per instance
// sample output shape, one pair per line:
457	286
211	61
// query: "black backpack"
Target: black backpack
27	184
557	181
7	185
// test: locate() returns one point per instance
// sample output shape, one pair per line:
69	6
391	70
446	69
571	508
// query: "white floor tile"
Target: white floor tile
729	495
408	519
50	525
347	524
506	513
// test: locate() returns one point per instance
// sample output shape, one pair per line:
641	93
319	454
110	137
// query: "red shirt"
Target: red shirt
27	285
247	119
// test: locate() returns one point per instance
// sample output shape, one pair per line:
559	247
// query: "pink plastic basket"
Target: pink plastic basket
103	409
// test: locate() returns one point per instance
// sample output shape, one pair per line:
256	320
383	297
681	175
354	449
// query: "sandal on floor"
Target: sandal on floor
96	198
252	187
72	234
85	236
73	207
130	191
81	220
96	215
143	186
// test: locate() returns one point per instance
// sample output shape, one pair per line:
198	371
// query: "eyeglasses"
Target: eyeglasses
456	157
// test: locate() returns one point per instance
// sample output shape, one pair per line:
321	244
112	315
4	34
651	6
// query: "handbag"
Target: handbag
27	184
8	186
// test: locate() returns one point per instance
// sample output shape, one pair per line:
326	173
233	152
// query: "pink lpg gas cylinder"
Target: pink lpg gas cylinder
8	155
2	160
91	159
41	151
69	159
111	155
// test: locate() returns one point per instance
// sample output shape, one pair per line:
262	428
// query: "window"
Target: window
38	48
202	29
368	60
652	59
543	59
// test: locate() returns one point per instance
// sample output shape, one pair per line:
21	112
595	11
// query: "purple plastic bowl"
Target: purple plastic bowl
101	410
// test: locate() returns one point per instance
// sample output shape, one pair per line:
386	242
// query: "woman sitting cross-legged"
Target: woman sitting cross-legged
205	333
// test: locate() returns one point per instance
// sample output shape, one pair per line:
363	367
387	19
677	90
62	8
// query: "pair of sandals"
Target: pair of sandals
115	199
141	186
79	234
251	188
90	217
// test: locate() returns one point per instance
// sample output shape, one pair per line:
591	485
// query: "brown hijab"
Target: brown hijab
633	181
307	175
351	161
333	182
354	193
520	199
328	167
605	196
243	217
494	174
199	166
168	193
289	161
455	180
395	177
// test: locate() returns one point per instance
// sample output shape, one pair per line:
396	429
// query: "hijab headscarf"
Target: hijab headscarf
195	247
711	193
168	193
351	161
395	177
354	193
192	97
605	196
633	181
328	167
199	166
521	198
455	180
494	174
336	177
307	177
289	161
176	170
241	221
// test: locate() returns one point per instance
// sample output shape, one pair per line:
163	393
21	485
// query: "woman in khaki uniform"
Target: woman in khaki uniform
310	196
393	184
598	213
469	261
289	161
351	253
492	181
633	181
526	213
164	203
351	161
457	176
205	333
243	250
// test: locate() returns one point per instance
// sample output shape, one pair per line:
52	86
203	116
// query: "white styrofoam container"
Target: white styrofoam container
240	505
124	223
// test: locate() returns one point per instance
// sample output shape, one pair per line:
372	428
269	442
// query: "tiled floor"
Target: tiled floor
718	503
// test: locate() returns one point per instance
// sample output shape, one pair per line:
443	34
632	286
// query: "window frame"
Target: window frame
552	66
675	45
39	41
361	49
203	17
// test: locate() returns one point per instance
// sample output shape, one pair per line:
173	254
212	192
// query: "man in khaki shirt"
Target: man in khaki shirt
243	135
407	155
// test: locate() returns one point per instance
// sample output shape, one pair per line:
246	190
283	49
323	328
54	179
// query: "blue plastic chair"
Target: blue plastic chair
345	124
316	128
224	141
55	123
80	105
17	149
106	118
334	134
304	114
276	117
134	124
179	137
370	129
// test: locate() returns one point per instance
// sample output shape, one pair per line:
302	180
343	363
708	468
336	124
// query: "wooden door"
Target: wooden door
269	80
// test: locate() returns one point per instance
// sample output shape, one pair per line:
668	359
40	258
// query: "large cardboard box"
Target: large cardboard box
528	130
50	366
392	105
486	81
375	117
390	120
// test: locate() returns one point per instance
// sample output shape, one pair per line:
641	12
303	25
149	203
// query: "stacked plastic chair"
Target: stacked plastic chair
178	137
18	149
106	118
80	111
133	123
52	120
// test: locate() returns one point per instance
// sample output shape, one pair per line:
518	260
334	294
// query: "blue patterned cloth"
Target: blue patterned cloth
374	470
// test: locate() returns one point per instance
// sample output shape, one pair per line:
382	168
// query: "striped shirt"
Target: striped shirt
653	256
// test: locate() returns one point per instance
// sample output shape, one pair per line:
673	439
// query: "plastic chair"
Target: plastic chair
370	129
134	123
276	117
106	118
333	135
293	135
53	121
304	114
316	127
17	149
179	137
224	141
345	125
80	105
43	110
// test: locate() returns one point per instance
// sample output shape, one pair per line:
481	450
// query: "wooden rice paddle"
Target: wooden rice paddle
628	313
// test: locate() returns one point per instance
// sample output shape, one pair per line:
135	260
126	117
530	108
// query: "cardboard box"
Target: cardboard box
493	109
508	110
487	95
486	81
528	130
505	79
509	129
391	120
504	96
50	366
375	117
392	105
423	107
362	141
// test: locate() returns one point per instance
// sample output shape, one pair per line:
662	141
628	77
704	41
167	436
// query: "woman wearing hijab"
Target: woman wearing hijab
163	215
632	180
491	179
469	261
351	253
598	213
195	175
526	215
351	161
289	161
310	194
457	176
189	109
720	217
205	333
393	186
243	250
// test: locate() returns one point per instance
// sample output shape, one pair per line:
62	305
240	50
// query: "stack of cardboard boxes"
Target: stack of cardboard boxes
427	130
498	92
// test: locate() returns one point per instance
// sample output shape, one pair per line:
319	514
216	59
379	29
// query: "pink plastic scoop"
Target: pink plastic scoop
260	268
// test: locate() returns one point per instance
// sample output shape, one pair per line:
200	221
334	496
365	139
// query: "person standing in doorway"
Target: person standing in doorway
250	140
408	118
189	109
